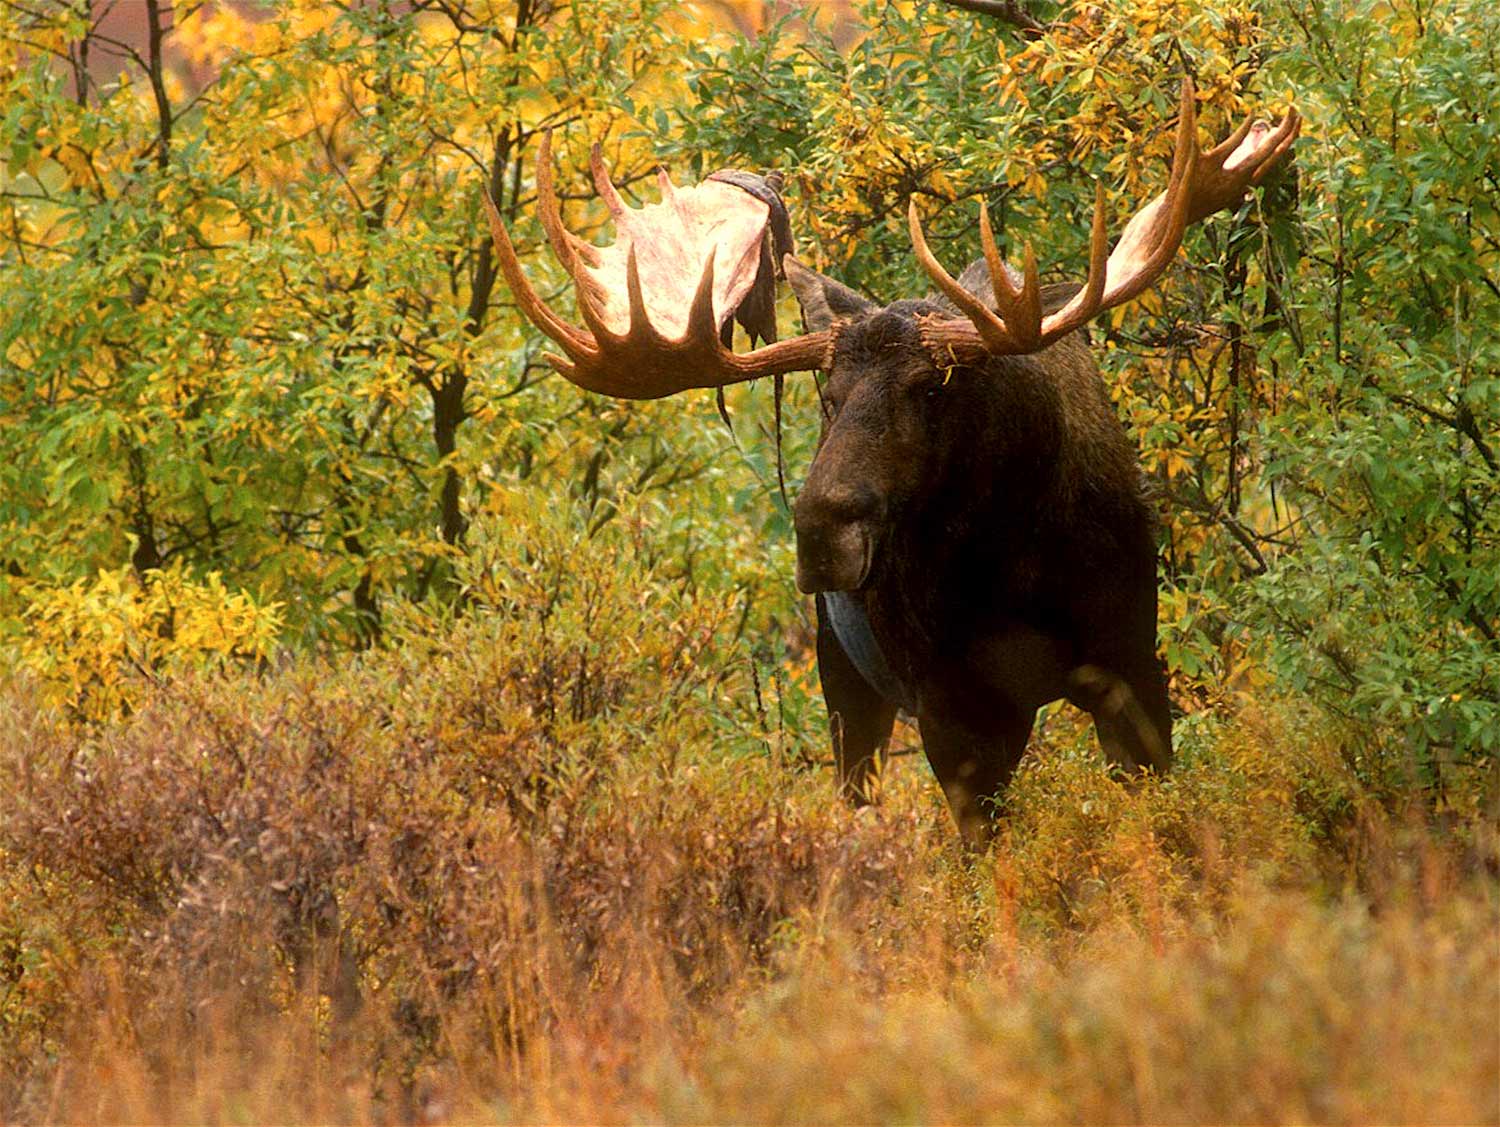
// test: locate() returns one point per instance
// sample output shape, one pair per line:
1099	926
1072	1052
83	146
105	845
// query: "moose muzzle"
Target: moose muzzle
838	531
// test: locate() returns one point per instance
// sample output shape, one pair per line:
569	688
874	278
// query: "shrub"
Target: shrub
92	645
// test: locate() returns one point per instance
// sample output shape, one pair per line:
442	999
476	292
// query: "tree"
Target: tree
253	328
244	321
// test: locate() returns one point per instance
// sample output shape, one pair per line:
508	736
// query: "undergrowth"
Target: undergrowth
561	859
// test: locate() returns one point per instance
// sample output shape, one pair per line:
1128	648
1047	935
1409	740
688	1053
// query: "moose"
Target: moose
974	526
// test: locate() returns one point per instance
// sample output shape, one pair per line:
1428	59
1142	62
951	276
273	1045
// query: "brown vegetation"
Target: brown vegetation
502	874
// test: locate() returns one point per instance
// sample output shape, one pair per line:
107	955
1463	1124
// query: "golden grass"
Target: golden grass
480	880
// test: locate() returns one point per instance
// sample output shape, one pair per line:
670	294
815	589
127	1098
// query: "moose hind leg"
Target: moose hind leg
1131	712
974	763
859	718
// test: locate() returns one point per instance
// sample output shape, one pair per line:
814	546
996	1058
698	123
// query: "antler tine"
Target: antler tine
574	341
640	320
701	325
1282	138
604	185
550	211
1024	318
572	252
999	272
590	299
1093	290
1090	300
992	330
1019	308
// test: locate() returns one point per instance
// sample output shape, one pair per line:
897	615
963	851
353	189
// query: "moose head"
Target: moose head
973	522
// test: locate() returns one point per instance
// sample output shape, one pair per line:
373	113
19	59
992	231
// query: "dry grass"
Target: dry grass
548	865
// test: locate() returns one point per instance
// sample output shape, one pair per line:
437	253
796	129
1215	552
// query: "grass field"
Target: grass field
476	878
391	732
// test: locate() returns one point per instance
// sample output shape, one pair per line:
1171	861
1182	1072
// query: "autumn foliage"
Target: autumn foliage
390	731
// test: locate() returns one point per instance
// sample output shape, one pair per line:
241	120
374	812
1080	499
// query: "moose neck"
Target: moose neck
1036	453
997	473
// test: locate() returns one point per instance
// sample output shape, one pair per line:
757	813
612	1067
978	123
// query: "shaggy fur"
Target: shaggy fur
991	522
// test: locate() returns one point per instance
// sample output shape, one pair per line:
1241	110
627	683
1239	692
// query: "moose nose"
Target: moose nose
837	527
847	503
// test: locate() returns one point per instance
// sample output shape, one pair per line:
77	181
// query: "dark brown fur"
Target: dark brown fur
991	522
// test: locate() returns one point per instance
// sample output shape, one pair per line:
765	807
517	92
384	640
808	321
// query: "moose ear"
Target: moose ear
823	300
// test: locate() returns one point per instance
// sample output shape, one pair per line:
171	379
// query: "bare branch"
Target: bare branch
157	74
1011	11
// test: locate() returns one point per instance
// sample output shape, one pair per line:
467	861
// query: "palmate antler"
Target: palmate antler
655	304
1199	185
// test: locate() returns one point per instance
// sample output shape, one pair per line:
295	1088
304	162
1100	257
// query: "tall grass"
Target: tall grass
562	860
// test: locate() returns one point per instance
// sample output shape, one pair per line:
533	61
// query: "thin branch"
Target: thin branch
1010	11
1461	420
158	83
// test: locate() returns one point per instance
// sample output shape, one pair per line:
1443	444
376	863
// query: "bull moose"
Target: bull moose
974	525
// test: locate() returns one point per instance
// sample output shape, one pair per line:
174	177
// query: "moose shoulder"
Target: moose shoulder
973	525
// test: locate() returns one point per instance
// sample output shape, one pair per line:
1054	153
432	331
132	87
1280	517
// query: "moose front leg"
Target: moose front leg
859	718
974	759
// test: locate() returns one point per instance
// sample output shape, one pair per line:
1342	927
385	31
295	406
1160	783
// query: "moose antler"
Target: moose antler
653	304
1199	185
